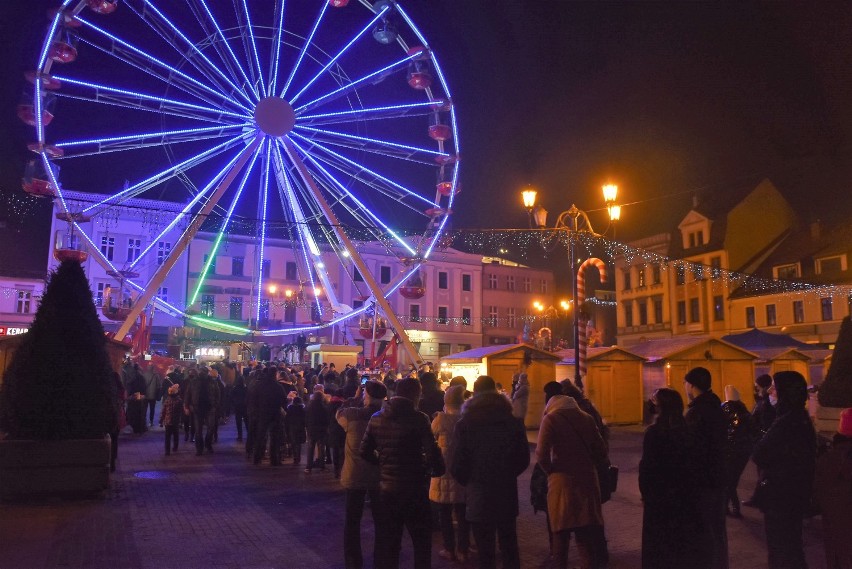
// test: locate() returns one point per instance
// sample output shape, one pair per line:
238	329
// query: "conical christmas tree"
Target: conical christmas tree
836	390
59	384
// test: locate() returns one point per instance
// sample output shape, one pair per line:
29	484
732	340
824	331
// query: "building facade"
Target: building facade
19	298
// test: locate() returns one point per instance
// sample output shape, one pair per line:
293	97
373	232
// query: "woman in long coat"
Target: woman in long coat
670	519
833	491
570	450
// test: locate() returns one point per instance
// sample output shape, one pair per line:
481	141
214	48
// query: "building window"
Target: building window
466	316
467	285
770	315
640	278
656	274
443	280
831	264
798	311
237	266
236	306
208	305
264	310
492	282
697	272
681	312
212	269
289	313
543	288
658	311
628	315
108	247
134	248
511	318
680	275
442	315
493	314
163	293
694	310
163	250
22	306
825	306
750	322
99	294
627	284
414	313
444	350
527	284
462	348
356	275
643	313
290	272
266	268
696	239
510	282
357	304
718	308
788	272
384	274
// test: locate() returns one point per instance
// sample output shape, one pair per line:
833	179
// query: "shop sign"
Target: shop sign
12	331
210	353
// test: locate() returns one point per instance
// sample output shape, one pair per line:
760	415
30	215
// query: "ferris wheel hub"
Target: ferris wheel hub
274	116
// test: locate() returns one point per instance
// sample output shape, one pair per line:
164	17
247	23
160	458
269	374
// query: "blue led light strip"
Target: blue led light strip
265	198
340	54
304	49
143	136
372	140
277	47
231	51
254	48
358	112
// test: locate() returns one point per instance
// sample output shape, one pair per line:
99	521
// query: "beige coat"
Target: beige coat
570	450
445	490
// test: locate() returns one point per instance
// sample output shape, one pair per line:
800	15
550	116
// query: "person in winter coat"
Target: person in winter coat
432	399
238	405
336	439
359	477
571	451
202	400
399	439
153	391
670	519
585	405
708	428
121	415
266	413
316	422
521	397
538	480
136	400
786	456
833	492
738	448
445	491
294	426
762	416
489	451
170	417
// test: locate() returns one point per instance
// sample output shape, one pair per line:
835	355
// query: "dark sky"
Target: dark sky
664	99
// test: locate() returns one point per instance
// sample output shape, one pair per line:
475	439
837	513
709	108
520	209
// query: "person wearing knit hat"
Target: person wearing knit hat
787	457
833	493
738	447
708	427
445	491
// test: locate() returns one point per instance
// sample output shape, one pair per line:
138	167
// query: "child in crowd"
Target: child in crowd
294	426
171	417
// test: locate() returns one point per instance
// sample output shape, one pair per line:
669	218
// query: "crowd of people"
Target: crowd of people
424	457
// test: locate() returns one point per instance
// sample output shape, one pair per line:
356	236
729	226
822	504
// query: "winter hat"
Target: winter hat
764	381
845	426
454	396
376	389
484	384
699	377
731	393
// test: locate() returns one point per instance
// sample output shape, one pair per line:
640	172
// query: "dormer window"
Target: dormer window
833	264
696	239
787	272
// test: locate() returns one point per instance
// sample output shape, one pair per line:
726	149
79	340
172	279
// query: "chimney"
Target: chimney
694	201
815	230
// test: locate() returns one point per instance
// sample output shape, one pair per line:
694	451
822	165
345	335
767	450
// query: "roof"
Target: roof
567	355
659	349
769	354
758	339
491	351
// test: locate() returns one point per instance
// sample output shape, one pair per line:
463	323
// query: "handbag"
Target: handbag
607	475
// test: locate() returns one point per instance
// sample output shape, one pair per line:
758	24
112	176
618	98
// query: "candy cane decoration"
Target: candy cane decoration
581	298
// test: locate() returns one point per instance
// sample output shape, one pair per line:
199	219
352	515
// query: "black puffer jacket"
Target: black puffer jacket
490	451
266	404
399	439
709	428
787	457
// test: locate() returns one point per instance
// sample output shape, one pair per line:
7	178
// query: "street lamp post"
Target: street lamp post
572	221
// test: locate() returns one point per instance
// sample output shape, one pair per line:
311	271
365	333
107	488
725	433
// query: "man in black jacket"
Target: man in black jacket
708	426
489	452
399	439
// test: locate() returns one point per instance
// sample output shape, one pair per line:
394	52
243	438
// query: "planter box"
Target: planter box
827	419
72	467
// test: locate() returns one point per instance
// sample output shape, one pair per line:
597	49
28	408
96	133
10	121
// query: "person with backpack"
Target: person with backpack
202	402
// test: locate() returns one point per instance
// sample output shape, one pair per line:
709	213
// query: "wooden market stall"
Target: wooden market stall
772	360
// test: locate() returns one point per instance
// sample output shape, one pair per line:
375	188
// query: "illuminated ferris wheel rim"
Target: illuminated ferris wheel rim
280	131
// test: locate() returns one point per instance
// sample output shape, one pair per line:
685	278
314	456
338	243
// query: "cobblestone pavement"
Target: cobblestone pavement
219	511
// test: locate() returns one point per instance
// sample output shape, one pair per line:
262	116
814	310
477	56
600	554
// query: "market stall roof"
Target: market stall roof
768	354
756	339
567	355
664	348
477	354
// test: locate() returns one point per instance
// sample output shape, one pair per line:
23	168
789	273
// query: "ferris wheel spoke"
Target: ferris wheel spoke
372	78
264	198
168	173
251	48
358	169
126	52
233	61
146	138
339	54
355	145
280	10
393	149
211	257
404	110
304	49
170	33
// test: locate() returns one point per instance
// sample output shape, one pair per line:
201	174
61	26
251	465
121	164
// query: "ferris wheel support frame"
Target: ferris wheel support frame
193	228
370	281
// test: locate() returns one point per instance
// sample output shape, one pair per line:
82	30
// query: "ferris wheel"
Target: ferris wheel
325	122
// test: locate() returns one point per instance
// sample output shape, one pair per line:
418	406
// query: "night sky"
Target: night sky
668	100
